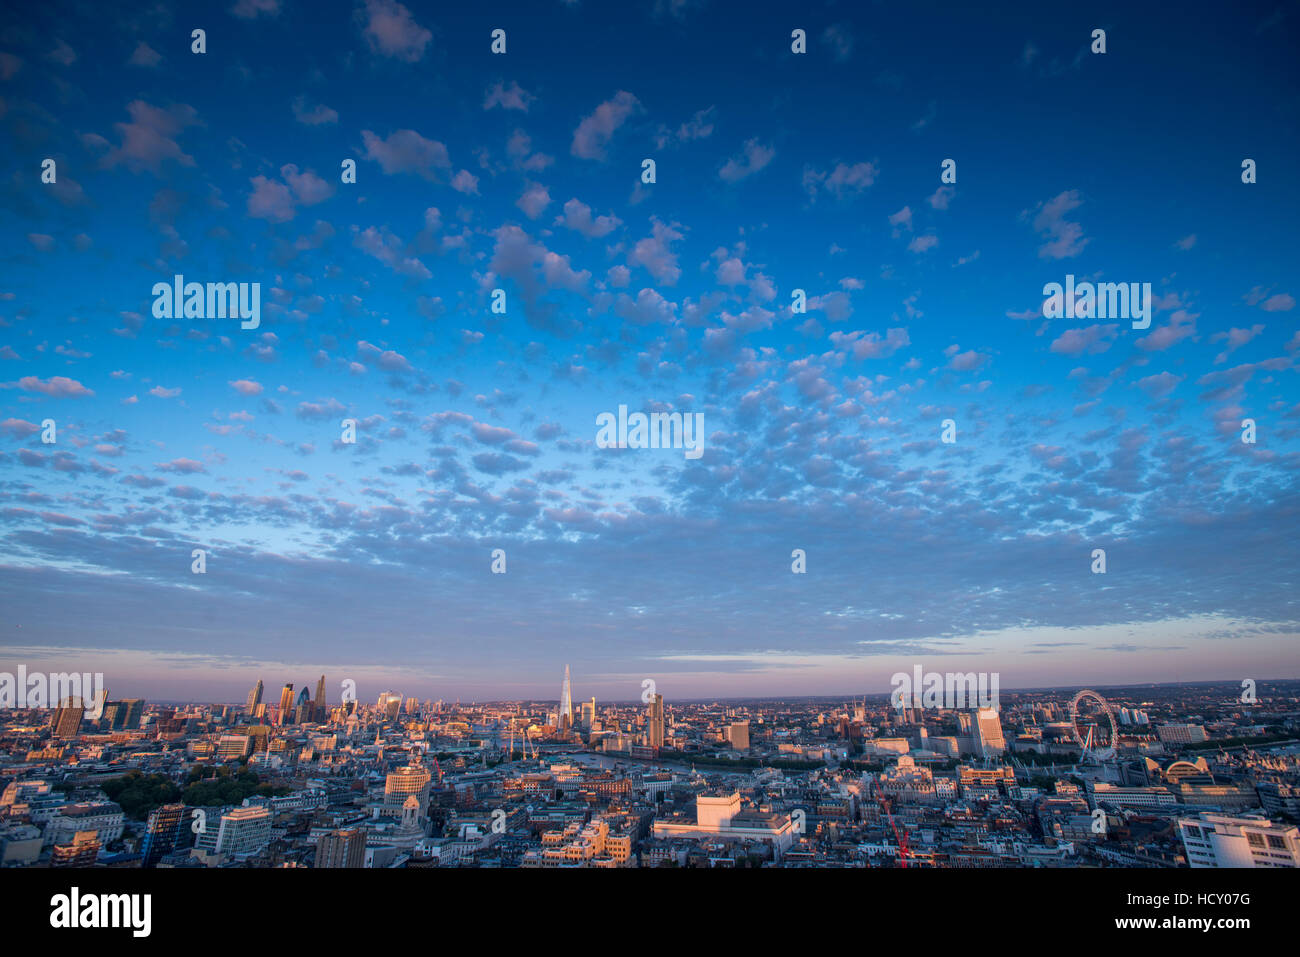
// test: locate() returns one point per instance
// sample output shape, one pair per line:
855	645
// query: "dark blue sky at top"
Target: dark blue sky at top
477	431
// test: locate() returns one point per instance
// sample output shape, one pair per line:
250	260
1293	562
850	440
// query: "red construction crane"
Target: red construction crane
899	836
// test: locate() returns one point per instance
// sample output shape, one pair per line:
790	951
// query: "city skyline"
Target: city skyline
1172	778
401	684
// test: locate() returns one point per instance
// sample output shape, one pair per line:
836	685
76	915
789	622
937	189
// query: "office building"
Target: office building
232	747
655	725
109	719
133	714
20	844
390	703
401	783
67	717
244	831
1219	840
342	849
163	833
81	851
286	704
1278	797
254	697
987	732
103	818
1180	734
259	736
320	711
720	816
566	703
1130	797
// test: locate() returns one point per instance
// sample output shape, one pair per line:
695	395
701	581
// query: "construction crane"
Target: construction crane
527	739
524	736
899	836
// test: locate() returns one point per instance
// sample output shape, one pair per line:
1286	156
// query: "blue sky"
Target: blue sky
476	431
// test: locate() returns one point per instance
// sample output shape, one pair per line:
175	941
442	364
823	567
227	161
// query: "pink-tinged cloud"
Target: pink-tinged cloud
1159	386
394	362
329	409
648	307
150	137
656	255
942	197
843	182
406	151
465	182
491	434
252	9
388	248
753	157
512	97
1235	338
386	359
270	200
595	131
308	188
181	466
246	386
1092	339
144	55
967	361
1064	239
1181	325
870	345
577	216
534	200
56	387
316	115
392	31
19	428
558	272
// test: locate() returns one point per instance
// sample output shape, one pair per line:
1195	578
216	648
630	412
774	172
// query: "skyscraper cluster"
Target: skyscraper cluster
292	710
